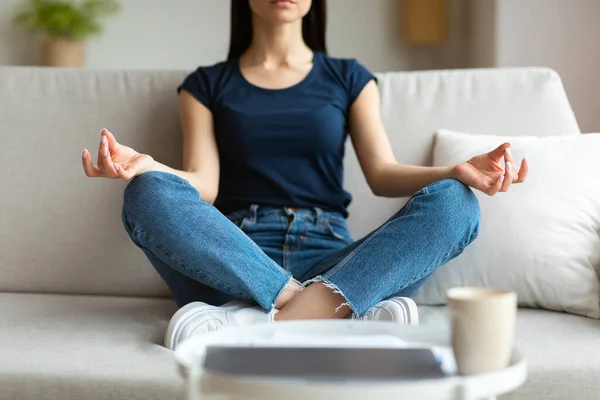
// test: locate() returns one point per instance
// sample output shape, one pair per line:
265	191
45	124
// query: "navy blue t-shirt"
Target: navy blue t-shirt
281	147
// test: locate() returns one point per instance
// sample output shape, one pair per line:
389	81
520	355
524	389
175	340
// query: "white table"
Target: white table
207	385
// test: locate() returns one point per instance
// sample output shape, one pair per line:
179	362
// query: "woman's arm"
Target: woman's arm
200	155
387	178
383	173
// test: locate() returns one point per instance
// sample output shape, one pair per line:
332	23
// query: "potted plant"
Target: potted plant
64	24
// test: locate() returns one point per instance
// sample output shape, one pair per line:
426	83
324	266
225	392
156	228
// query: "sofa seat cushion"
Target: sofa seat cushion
91	347
85	347
562	352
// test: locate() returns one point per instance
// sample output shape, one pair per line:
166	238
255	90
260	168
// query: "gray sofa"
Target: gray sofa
82	311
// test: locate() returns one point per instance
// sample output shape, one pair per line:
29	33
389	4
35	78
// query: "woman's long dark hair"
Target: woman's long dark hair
314	25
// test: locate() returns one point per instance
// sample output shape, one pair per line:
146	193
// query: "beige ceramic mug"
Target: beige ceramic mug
483	328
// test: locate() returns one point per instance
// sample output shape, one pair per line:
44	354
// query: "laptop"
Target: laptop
324	363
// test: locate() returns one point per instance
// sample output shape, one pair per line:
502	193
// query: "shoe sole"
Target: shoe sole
184	315
409	307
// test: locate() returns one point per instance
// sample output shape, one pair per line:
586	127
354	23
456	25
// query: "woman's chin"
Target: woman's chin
284	11
283	17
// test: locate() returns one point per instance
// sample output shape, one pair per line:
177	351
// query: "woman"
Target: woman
264	136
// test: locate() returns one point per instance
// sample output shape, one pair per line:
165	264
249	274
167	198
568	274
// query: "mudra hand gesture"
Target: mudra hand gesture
487	174
115	160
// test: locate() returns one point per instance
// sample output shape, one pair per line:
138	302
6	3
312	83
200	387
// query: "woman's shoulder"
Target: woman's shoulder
349	72
343	66
206	82
214	71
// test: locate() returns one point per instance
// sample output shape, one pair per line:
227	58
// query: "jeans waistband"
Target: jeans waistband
255	211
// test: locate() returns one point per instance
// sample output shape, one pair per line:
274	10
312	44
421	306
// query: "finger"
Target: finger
129	170
101	147
523	171
506	182
109	166
508	176
498	153
88	166
124	173
510	165
105	161
495	188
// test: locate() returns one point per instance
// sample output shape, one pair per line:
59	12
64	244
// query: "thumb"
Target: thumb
498	153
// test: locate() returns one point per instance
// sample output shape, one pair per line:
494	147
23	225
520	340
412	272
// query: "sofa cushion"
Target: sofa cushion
415	105
541	238
61	347
60	231
562	353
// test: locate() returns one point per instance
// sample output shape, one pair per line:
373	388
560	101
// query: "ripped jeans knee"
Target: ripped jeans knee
336	290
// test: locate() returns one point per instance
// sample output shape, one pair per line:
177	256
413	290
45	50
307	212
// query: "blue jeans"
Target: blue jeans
252	254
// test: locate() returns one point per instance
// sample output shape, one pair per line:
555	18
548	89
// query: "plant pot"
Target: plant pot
60	52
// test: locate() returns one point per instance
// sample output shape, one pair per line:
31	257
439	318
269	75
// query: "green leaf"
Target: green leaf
65	18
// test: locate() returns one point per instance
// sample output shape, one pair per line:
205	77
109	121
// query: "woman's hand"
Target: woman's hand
115	160
486	173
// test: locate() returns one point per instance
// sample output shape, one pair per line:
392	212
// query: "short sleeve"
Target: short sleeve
198	85
358	78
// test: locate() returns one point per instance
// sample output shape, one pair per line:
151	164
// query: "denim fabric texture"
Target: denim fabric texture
252	254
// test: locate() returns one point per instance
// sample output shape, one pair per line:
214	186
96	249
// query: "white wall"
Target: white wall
564	35
169	34
453	53
481	33
15	45
175	34
369	32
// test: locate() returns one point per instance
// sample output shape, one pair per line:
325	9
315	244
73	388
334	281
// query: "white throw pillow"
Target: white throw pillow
542	238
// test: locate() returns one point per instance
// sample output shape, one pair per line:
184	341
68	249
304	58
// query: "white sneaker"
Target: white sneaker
397	309
197	318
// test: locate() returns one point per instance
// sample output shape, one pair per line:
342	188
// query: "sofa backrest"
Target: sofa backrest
61	232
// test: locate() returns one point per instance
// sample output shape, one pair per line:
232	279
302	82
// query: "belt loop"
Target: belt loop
253	213
319	216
